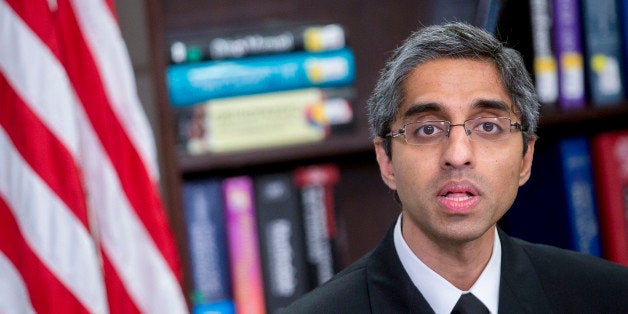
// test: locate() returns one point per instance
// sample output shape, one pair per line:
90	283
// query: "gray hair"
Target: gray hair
452	40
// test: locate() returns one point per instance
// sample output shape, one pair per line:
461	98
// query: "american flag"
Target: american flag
82	225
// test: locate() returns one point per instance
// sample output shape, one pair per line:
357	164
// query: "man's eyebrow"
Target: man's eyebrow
415	109
492	104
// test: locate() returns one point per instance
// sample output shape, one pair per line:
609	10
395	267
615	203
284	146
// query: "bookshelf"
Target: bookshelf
365	206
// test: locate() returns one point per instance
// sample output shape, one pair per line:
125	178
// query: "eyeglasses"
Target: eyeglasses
482	129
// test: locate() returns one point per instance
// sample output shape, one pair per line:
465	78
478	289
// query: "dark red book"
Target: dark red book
610	160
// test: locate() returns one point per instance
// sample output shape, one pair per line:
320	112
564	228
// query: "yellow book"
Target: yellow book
266	120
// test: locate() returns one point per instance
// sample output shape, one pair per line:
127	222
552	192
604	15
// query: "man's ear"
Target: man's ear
385	164
526	163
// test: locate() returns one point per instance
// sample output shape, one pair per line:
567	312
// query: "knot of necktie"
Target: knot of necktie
469	304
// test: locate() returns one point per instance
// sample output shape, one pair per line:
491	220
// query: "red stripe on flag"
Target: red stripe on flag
47	293
140	190
118	298
46	155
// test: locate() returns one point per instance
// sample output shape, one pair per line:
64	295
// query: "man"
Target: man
454	116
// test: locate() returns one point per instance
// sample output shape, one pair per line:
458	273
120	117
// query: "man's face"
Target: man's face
454	191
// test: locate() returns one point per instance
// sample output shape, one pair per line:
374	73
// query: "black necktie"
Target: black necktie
469	304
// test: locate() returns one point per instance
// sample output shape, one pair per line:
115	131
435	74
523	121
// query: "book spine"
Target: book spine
569	52
252	42
487	14
544	62
189	84
604	51
204	217
580	194
280	228
623	15
316	185
610	158
264	120
246	273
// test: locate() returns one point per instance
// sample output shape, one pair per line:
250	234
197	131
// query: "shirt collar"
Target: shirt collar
439	293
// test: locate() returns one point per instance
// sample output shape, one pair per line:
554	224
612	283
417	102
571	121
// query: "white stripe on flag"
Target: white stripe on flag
53	232
102	35
13	293
125	240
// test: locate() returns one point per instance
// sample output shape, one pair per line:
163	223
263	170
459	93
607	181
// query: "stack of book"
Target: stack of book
578	52
257	243
272	85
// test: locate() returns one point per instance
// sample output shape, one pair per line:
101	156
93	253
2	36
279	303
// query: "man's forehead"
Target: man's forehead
434	107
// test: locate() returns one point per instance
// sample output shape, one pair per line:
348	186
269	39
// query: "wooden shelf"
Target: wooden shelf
555	117
587	121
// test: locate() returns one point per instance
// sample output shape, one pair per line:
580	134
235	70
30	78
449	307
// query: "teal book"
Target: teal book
603	50
221	307
192	83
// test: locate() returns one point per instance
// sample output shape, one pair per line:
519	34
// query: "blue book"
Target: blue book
623	16
207	243
557	205
487	14
189	84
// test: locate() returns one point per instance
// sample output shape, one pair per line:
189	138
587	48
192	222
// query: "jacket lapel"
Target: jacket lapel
390	288
520	288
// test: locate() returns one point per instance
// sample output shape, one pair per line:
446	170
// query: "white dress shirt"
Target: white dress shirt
439	293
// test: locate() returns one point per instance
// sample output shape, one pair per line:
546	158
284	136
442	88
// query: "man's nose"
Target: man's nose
457	149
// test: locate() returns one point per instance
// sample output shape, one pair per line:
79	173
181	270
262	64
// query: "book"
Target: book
603	42
544	63
623	15
557	206
260	39
282	244
244	255
207	241
264	120
610	158
191	83
220	307
487	14
566	37
316	187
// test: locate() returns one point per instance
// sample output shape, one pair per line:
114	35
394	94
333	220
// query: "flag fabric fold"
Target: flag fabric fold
82	225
